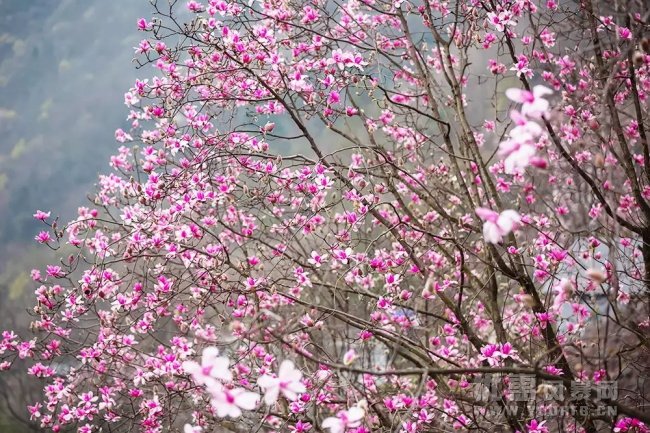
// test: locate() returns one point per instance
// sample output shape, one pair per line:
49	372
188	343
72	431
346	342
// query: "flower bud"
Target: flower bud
596	275
645	45
638	58
599	160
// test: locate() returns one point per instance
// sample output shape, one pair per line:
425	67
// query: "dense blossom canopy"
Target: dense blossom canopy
345	216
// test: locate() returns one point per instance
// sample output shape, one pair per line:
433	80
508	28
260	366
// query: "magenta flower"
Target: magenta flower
495	353
286	195
143	24
333	98
40	215
317	259
43	237
624	33
501	20
536	427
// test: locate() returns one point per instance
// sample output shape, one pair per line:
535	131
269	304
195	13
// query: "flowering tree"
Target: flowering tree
344	217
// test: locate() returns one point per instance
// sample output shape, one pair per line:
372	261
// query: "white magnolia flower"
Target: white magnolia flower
288	382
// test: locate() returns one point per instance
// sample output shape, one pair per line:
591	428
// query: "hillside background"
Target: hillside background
64	67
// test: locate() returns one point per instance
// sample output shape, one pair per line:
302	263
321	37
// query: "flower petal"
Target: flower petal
245	399
491	233
486	214
515	95
271	395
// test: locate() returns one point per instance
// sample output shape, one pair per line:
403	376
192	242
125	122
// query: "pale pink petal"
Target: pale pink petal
288	372
267	381
355	415
535	109
290	395
540	91
596	275
191	367
506	147
526	132
516	95
214	388
296	387
245	399
518	118
349	357
221	405
209	355
233	411
491	233
220	369
334	424
508	220
271	395
191	429
486	214
519	159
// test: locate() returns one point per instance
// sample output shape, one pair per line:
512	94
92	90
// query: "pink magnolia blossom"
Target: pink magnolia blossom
501	20
42	216
349	357
494	354
317	259
524	130
143	24
348	228
519	149
268	127
345	419
533	103
213	367
497	225
43	237
517	155
288	382
230	402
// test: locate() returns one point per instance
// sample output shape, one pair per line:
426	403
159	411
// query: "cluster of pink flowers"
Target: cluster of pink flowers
213	373
519	150
301	206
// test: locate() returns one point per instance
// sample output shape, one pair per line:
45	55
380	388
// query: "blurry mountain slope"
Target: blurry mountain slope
64	66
